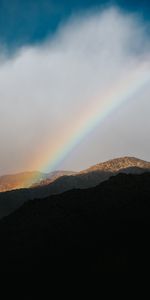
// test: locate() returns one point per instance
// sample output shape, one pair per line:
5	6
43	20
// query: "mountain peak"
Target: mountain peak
117	164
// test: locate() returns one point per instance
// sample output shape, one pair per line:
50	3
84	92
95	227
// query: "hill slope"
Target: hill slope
105	228
11	200
28	179
19	180
117	164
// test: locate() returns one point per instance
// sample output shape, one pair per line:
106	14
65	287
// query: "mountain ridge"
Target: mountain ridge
118	163
11	200
101	229
20	180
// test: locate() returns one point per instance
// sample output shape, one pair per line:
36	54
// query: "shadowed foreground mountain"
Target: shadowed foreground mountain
57	183
102	229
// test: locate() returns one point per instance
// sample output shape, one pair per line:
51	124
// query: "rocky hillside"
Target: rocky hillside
117	164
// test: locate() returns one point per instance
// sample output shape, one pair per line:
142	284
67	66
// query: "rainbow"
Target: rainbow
104	105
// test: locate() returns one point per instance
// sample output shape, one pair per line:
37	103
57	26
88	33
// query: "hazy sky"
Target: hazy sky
56	67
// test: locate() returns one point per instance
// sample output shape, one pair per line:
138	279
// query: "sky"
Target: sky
74	83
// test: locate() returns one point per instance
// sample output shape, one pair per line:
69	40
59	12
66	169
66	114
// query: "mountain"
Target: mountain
23	180
52	176
92	176
102	229
19	180
118	164
11	200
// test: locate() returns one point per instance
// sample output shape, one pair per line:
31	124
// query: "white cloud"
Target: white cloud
44	91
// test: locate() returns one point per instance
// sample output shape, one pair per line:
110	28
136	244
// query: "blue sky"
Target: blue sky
24	22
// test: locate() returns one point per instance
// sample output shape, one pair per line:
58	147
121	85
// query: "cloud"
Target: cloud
46	89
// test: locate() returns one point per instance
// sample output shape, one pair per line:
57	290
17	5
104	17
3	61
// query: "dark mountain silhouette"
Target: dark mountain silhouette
11	200
101	229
